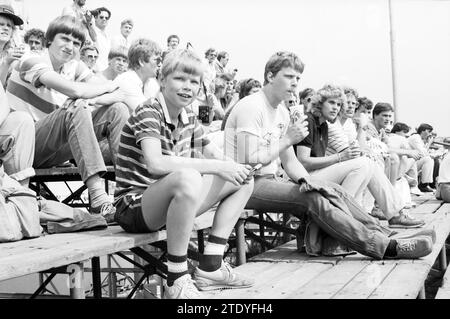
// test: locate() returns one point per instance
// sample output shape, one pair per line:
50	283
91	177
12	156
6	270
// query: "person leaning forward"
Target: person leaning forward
71	115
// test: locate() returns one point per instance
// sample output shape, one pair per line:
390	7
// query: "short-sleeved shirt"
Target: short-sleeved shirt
132	87
151	120
265	126
416	143
317	140
26	92
337	138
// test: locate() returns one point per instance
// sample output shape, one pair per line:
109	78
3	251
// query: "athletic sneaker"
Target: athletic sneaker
223	278
107	210
413	248
416	191
404	220
182	288
427	232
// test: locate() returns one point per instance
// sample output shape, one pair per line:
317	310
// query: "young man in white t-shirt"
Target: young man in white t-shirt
259	130
144	61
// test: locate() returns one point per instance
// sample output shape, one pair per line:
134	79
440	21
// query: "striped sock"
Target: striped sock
176	267
211	260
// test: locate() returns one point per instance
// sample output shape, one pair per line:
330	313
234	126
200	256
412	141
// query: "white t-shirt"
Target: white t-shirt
103	45
133	88
265	125
398	141
120	40
416	143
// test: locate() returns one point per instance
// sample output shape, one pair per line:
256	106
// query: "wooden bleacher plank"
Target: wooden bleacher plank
285	287
364	283
270	282
440	221
444	290
428	207
288	253
331	281
404	282
87	245
56	171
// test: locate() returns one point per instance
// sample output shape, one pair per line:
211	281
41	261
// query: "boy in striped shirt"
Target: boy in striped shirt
160	184
57	91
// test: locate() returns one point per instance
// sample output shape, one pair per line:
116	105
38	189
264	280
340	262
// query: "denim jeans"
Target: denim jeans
358	174
341	218
17	135
75	132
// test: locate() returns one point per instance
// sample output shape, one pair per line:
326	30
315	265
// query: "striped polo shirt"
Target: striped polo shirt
25	91
152	120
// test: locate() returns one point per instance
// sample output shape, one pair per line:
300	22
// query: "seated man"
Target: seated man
144	61
89	55
117	64
259	130
54	88
159	184
408	157
425	164
377	140
16	141
347	167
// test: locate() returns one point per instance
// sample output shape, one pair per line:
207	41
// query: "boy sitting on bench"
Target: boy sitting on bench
159	184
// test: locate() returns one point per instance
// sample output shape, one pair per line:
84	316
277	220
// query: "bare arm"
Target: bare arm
160	164
293	168
76	90
313	163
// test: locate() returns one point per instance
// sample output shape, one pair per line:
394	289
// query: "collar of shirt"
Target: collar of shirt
183	115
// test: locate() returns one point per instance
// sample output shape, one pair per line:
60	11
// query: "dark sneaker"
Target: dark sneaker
425	188
183	288
427	232
412	248
403	220
223	278
107	210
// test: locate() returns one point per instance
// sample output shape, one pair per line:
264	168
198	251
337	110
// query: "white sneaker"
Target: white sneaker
416	191
223	278
183	288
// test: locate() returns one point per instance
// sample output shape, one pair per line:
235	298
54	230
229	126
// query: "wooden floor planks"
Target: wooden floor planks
352	277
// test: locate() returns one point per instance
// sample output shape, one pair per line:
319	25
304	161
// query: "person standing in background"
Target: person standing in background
123	39
102	40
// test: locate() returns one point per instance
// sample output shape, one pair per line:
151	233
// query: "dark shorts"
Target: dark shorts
129	213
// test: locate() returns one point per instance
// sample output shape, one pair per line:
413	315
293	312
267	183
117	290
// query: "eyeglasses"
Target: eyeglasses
103	17
92	57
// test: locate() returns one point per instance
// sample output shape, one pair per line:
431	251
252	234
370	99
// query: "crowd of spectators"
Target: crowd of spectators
74	93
